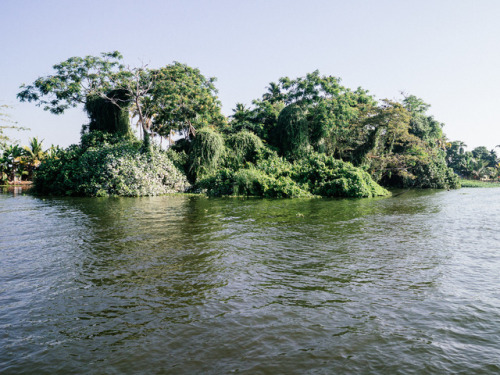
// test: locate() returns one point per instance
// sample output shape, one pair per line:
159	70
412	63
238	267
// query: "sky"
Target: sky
446	52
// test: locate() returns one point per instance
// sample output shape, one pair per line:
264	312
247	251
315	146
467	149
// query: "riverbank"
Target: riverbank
479	184
23	185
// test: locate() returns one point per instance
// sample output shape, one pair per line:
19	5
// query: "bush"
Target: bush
273	176
330	177
251	182
205	153
293	130
106	165
245	147
218	184
323	175
109	169
435	175
179	158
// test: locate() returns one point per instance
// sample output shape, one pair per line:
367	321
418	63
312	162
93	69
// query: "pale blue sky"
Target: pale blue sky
444	51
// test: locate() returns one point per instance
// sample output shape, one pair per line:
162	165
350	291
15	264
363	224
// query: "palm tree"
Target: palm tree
10	161
53	151
4	167
241	113
33	155
273	93
479	169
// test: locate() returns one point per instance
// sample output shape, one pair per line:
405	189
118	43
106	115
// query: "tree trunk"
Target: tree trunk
146	143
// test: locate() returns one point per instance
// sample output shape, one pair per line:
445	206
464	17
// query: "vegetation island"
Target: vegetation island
308	136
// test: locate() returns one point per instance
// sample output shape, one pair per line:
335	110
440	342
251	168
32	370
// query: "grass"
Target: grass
479	184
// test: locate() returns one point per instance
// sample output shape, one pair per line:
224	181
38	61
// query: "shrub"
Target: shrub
330	177
274	176
109	169
205	153
251	182
218	184
434	175
245	147
293	130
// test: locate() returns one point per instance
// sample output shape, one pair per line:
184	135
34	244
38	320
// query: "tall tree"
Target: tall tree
92	81
32	155
74	81
182	99
176	97
10	161
330	109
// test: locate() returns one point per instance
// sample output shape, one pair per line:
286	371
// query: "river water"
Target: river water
188	285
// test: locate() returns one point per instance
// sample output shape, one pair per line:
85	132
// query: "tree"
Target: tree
100	83
423	126
109	116
457	158
181	99
329	107
414	104
481	153
74	81
309	89
10	161
293	129
273	93
206	151
337	126
176	97
136	87
401	158
33	155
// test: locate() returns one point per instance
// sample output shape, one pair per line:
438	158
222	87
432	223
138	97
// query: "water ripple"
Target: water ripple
184	285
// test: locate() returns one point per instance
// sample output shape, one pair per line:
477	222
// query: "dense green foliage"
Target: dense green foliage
182	99
476	164
250	182
274	176
105	165
176	97
74	80
107	116
19	163
204	153
244	147
308	136
397	143
293	131
330	177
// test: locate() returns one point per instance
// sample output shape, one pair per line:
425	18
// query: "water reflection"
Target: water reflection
196	285
15	190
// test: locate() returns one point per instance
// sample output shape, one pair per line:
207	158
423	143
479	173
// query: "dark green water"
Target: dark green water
189	285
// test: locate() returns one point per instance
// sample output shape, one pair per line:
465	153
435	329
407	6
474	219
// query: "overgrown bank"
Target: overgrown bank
479	184
106	165
308	136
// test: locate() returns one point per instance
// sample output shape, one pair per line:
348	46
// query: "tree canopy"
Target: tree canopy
397	141
74	81
175	97
304	136
181	99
